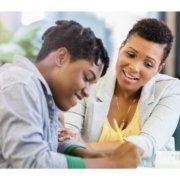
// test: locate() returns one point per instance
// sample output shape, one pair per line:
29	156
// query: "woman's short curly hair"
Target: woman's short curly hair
153	30
79	41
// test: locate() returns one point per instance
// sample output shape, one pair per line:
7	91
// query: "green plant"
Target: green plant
26	41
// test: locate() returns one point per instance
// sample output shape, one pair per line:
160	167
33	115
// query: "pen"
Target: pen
118	131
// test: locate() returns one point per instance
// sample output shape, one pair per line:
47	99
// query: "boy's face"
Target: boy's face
71	82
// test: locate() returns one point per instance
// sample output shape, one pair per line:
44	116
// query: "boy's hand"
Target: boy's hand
127	155
64	133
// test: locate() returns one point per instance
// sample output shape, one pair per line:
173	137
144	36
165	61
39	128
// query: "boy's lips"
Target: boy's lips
78	96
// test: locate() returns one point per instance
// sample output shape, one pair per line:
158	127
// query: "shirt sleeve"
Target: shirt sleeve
66	149
22	141
75	162
160	125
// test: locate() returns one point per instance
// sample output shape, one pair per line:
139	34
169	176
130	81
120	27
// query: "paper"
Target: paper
167	159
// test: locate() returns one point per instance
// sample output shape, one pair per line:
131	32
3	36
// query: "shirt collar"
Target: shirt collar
28	65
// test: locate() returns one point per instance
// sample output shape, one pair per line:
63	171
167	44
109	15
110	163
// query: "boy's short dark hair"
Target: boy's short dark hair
79	41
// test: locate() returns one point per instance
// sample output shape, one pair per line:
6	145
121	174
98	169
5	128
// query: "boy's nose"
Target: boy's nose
86	90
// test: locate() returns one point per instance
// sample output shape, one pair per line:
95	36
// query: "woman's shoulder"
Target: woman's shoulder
161	77
165	81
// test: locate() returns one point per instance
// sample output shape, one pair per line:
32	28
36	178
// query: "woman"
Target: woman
144	102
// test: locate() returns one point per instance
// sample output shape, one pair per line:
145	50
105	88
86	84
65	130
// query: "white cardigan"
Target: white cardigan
159	112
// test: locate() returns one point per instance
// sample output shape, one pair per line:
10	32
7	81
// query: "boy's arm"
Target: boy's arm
105	147
126	155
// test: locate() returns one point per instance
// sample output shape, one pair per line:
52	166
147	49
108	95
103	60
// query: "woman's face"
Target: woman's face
138	61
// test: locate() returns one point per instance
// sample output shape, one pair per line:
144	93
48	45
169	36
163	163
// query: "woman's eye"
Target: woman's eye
148	64
131	55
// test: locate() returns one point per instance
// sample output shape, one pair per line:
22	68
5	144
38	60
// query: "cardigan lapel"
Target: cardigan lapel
147	98
99	114
101	105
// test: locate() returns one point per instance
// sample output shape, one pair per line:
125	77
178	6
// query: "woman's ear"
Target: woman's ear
61	56
161	67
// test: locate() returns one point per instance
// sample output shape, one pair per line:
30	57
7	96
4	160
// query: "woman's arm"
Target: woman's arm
105	147
74	118
126	155
160	118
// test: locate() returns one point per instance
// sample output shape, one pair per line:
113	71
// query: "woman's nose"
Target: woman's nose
135	66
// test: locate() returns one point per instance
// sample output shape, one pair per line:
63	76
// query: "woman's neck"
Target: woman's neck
125	94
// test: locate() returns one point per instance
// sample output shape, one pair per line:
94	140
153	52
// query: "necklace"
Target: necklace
122	124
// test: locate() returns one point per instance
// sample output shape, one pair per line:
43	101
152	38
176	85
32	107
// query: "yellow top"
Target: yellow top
109	134
118	131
